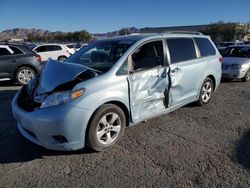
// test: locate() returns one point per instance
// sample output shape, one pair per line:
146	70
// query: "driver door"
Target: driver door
148	81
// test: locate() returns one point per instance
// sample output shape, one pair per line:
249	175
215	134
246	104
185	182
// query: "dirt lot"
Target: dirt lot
191	147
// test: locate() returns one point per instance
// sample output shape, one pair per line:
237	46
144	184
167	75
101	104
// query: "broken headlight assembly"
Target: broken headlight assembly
61	98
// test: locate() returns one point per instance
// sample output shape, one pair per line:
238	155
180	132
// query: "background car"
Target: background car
71	48
55	51
236	63
19	63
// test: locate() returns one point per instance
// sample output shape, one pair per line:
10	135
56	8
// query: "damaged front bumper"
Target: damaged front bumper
59	127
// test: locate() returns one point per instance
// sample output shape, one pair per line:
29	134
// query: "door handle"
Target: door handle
13	61
176	69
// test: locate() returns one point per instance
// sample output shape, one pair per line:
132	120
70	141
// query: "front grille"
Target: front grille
26	102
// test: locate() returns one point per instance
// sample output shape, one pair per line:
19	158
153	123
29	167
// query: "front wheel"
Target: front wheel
24	75
206	92
106	127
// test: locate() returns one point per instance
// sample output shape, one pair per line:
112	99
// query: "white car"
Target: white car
236	62
55	51
71	48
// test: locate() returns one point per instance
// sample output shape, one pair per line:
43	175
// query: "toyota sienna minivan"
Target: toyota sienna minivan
116	83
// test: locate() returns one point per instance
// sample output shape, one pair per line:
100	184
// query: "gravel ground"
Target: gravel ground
191	147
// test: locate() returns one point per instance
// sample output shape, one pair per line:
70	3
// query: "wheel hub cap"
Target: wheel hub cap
108	128
25	76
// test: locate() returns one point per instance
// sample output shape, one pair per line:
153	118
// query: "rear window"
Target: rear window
70	46
48	48
16	50
54	48
41	49
205	47
181	49
4	51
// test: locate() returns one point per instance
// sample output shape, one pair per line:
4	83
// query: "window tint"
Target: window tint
48	48
4	51
205	47
181	49
16	50
148	56
70	46
53	48
41	49
237	52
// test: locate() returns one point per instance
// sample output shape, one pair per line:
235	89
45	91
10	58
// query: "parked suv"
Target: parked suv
18	63
55	51
116	83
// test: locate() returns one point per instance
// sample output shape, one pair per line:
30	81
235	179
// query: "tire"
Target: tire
206	92
106	127
247	76
24	75
61	58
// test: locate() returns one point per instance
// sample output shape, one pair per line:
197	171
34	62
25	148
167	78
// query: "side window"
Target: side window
181	49
16	50
41	49
148	56
4	51
123	70
53	48
205	47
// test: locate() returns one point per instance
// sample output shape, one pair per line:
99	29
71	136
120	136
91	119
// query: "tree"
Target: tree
222	31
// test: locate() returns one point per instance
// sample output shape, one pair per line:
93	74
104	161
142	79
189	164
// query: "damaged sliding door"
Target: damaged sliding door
148	93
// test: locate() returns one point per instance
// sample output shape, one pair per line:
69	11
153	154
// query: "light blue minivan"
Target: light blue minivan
115	83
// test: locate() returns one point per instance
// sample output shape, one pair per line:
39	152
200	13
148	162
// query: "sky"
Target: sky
100	16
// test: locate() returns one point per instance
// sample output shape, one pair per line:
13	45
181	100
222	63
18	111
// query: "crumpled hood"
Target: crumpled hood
235	60
57	73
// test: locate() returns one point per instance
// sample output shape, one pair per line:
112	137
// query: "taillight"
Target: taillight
221	59
38	58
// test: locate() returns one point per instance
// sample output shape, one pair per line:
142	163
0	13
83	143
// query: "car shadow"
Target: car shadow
14	148
242	150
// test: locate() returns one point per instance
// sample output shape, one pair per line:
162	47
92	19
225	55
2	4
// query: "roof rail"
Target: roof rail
183	32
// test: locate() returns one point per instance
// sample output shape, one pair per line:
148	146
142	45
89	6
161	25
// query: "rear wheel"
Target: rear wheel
24	75
247	76
206	92
106	127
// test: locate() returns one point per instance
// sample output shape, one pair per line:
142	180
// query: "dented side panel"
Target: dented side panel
148	92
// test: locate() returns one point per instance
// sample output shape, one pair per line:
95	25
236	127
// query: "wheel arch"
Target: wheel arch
117	103
213	80
114	102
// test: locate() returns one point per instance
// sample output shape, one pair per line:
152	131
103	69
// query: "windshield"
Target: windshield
101	55
237	52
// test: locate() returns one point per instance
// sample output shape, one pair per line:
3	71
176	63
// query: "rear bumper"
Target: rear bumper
59	128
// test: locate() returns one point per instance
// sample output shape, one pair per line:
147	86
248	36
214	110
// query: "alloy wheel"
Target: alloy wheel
108	128
25	75
206	91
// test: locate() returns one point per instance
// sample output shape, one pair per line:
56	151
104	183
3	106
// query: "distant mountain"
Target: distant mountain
22	33
115	33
